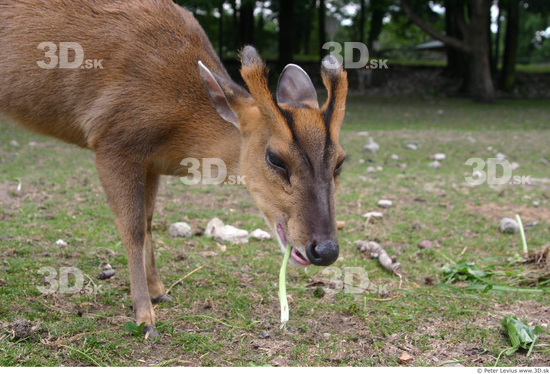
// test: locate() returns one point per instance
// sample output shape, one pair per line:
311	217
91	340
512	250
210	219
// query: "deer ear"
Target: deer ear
295	87
217	95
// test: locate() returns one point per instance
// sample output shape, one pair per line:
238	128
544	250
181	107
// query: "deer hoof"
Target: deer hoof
153	333
161	299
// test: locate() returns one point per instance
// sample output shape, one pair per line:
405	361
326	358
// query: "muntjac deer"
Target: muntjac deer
160	94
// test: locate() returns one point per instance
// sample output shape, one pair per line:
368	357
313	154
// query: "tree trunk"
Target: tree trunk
362	22
496	55
220	34
247	22
481	83
322	32
307	27
286	35
377	16
508	74
481	86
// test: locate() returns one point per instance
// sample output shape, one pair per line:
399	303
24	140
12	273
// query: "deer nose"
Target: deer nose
322	254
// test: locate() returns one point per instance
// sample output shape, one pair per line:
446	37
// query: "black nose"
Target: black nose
322	254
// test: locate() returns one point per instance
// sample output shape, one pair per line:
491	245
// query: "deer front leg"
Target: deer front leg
154	284
124	184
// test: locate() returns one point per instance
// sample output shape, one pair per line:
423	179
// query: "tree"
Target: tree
475	46
286	33
508	74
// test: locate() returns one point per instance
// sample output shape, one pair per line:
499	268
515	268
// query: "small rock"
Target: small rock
403	166
425	244
434	165
411	146
514	165
439	157
180	230
231	234
32	144
440	111
384	203
536	204
478	174
14	143
106	274
363	133
545	161
394	157
471	139
61	243
371	146
371	169
508	226
361	161
379	168
264	334
501	156
326	335
373	215
212	226
22	329
260	235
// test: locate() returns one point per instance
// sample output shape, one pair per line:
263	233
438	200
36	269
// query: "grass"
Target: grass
228	295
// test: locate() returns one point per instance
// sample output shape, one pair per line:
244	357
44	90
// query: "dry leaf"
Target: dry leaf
405	358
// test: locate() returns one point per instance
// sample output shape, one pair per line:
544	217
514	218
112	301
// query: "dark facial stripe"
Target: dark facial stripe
289	119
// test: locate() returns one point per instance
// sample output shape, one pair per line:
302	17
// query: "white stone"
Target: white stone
439	156
384	203
379	168
363	133
212	226
373	215
231	234
371	169
434	165
61	243
260	235
411	146
501	156
180	230
508	226
371	146
394	157
14	143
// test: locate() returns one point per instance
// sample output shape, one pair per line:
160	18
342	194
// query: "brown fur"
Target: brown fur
147	109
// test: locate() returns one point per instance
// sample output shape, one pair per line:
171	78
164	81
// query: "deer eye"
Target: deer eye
275	161
339	167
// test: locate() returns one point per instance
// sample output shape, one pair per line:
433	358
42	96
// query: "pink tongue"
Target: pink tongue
298	258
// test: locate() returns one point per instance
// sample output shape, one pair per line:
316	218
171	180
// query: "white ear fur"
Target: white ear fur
217	95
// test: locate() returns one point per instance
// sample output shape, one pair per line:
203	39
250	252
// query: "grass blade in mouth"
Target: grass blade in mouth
282	288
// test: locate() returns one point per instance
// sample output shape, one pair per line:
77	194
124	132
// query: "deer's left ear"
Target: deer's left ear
295	88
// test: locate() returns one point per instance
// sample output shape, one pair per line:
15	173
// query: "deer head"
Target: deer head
290	155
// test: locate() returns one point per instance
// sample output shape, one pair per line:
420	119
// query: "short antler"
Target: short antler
336	82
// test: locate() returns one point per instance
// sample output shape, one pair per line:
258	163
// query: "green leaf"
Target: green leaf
520	334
